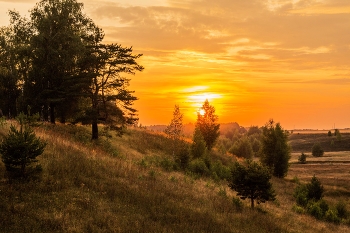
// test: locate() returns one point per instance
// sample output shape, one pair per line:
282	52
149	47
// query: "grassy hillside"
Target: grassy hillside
122	185
303	142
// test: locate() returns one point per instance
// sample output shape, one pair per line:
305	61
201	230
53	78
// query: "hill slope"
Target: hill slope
117	185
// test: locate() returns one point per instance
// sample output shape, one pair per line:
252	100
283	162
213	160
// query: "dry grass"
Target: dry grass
85	188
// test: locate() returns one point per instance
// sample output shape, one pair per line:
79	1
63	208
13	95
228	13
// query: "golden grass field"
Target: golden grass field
117	185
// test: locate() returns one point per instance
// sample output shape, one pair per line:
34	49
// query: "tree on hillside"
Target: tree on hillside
207	124
242	148
111	101
275	149
14	62
252	181
174	129
20	148
198	146
58	44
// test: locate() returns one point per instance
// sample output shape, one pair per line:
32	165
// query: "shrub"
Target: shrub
314	209
341	208
198	166
182	156
329	133
237	203
19	150
302	158
301	195
222	171
242	148
332	216
317	151
315	189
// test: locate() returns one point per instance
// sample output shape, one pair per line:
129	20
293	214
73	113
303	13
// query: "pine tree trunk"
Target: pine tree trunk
252	203
94	130
52	114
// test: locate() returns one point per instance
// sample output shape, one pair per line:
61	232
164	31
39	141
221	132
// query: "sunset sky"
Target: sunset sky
252	59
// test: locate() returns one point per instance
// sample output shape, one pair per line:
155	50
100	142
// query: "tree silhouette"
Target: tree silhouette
207	124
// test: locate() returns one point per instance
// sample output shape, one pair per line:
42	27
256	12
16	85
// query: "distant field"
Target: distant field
303	141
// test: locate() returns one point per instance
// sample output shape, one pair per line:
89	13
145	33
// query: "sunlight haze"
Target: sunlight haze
253	60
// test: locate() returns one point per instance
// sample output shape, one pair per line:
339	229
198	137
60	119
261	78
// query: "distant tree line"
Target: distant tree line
56	63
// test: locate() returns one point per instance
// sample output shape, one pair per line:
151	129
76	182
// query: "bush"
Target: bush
182	156
242	148
341	209
198	166
19	150
332	216
301	195
222	171
317	151
314	209
315	189
302	158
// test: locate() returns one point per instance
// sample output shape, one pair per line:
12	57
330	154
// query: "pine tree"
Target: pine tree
20	148
252	181
174	129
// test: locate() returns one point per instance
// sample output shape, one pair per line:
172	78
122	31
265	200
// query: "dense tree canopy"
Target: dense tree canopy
275	149
56	63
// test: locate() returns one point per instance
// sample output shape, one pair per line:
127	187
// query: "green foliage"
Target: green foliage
304	193
317	150
182	156
198	147
315	189
332	216
2	121
341	209
198	166
175	128
237	203
301	195
314	209
252	181
242	148
207	125
302	158
223	172
19	150
275	149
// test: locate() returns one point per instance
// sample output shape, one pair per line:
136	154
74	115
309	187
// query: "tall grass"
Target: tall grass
84	188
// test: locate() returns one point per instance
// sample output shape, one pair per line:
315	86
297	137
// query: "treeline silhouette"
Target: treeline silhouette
56	63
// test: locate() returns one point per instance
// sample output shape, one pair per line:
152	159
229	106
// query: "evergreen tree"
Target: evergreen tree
20	148
207	124
275	149
111	101
252	181
317	150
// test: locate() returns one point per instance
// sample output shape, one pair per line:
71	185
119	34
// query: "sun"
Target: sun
201	112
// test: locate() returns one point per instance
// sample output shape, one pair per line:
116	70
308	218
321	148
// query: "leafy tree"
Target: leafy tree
207	125
20	148
252	181
253	130
198	147
275	149
329	133
242	148
317	150
175	128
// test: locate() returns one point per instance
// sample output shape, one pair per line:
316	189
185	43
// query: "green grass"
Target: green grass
105	187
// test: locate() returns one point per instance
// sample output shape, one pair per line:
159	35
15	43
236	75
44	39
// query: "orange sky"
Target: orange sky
254	60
